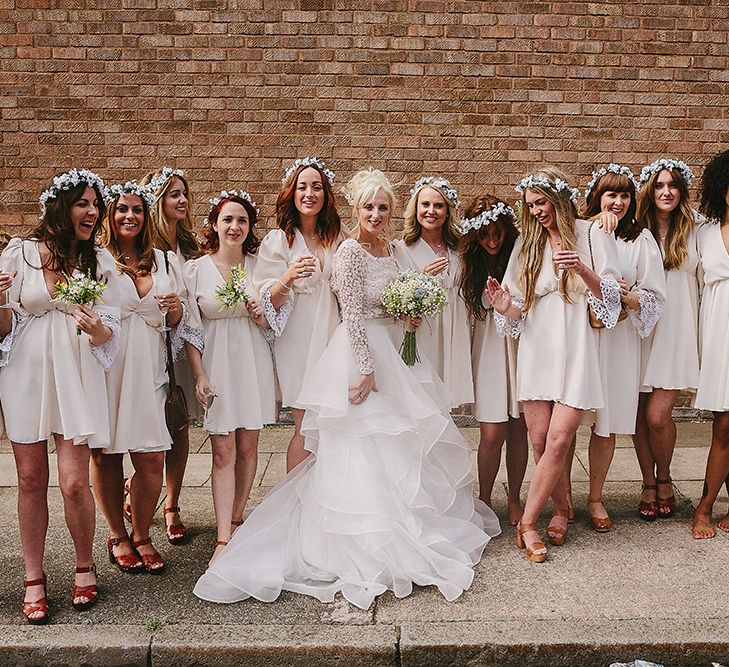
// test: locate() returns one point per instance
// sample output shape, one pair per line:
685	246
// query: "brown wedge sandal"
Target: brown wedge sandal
560	534
522	528
599	524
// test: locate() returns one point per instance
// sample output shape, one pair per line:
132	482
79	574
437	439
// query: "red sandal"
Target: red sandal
666	506
91	592
153	563
129	563
648	510
175	531
40	605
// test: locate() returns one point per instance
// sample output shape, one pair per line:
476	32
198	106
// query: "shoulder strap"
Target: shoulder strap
589	244
168	339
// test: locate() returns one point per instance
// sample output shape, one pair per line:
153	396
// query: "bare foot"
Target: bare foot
724	523
515	512
702	528
218	550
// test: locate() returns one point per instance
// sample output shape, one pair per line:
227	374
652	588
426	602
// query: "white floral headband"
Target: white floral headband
487	217
229	194
441	184
67	181
612	168
557	186
670	164
129	188
165	175
309	162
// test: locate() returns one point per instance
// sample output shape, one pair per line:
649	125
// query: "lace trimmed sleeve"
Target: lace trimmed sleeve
105	353
646	317
510	328
6	344
607	309
604	260
276	318
189	328
349	269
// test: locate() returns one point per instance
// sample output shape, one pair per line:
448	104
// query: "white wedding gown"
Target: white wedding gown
386	498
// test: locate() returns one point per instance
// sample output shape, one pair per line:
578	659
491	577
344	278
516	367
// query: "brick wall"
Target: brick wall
232	91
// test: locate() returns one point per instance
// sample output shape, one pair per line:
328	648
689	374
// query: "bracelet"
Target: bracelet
284	285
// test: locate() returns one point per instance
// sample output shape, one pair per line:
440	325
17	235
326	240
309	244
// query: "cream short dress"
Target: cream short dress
641	266
670	356
53	379
305	322
558	355
235	355
444	339
713	390
137	381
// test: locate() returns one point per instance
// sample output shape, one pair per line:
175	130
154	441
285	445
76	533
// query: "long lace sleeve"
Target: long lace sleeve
604	258
650	284
510	328
271	263
108	310
349	269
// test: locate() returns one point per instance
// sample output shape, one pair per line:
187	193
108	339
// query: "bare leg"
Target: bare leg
223	485
176	463
78	505
717	469
662	441
246	462
566	483
601	451
147	485
31	461
489	457
646	461
517	456
296	452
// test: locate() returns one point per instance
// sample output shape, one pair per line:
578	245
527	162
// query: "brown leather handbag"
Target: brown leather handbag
177	415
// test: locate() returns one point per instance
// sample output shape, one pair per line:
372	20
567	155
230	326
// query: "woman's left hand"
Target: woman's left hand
569	259
361	389
174	307
90	323
627	296
255	310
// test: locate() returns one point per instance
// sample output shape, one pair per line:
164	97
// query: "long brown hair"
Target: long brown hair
56	230
412	229
628	228
478	264
328	223
186	240
212	240
675	248
143	242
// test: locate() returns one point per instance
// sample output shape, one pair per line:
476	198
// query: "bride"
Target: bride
386	500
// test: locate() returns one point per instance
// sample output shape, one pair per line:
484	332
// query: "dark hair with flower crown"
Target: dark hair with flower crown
212	240
628	228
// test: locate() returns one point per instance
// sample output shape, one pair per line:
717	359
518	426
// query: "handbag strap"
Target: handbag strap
168	339
589	244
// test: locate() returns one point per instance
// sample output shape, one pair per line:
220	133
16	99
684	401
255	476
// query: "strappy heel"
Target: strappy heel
128	563
599	524
648	510
91	592
536	546
665	506
40	605
560	534
176	532
153	563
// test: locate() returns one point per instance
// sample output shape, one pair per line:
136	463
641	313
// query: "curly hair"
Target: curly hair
186	240
628	228
478	264
328	224
212	240
56	230
143	242
675	248
412	230
714	186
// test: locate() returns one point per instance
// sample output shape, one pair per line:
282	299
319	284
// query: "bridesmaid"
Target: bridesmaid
230	358
552	278
292	276
430	244
62	394
713	390
173	228
137	380
643	290
489	233
670	355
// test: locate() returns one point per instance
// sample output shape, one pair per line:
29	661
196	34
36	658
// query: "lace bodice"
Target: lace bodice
358	280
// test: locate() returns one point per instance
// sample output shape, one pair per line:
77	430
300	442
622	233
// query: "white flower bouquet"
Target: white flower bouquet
79	291
413	294
233	291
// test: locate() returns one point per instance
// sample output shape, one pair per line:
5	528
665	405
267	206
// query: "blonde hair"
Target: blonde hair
361	188
186	239
675	248
534	236
412	230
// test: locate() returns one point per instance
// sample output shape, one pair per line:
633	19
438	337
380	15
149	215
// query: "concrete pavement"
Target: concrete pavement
641	591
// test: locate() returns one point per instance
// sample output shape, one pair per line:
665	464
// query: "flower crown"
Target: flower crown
129	188
229	194
557	186
67	181
441	184
613	169
309	162
670	164
165	175
487	217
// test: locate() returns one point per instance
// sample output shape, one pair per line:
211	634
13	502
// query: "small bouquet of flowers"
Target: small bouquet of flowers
233	291
79	291
413	294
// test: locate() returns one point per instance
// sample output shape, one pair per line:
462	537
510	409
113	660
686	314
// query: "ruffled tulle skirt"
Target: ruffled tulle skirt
385	500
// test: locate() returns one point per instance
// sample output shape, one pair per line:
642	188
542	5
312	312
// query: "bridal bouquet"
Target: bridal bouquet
79	291
233	291
413	294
